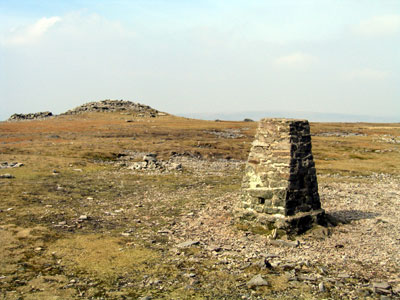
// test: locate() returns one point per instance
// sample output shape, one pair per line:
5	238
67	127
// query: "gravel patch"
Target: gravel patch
364	249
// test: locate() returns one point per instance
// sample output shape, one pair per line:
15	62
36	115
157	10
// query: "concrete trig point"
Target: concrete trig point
280	188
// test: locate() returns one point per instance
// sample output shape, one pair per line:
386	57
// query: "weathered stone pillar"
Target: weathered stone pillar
280	187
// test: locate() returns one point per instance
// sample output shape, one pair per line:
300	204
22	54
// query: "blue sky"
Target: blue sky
202	56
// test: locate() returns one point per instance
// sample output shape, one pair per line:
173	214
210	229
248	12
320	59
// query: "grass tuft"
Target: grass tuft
102	257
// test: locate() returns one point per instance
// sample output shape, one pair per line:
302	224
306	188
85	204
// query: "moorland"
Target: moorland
83	217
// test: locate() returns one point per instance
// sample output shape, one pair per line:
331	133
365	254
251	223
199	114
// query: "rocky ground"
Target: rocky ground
356	259
113	106
95	106
203	241
31	116
101	208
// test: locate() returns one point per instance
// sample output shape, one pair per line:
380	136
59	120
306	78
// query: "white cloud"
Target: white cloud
30	33
379	25
93	25
366	74
295	60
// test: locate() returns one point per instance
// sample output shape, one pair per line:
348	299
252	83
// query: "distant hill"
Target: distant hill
311	116
96	106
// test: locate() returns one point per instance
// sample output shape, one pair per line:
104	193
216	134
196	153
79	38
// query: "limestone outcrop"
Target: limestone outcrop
31	116
114	106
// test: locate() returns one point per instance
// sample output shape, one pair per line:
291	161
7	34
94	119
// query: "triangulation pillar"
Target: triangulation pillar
280	188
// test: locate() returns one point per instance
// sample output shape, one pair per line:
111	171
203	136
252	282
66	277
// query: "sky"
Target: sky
188	57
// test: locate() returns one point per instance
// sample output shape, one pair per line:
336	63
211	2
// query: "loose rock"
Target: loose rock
188	244
263	264
257	281
321	287
9	176
6	165
380	285
284	243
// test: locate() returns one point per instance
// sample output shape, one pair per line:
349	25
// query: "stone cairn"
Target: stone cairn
280	189
31	116
150	162
114	106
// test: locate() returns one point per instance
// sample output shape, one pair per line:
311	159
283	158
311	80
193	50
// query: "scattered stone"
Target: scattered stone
150	157
214	248
155	281
274	234
83	217
227	247
269	255
164	231
53	136
226	134
381	285
7	165
288	266
150	162
305	277
257	281
263	264
293	244
174	166
340	134
9	176
343	276
382	288
323	270
188	244
396	289
321	287
30	116
364	292
320	232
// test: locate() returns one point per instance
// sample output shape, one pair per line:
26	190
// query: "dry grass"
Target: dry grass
106	258
363	154
93	253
